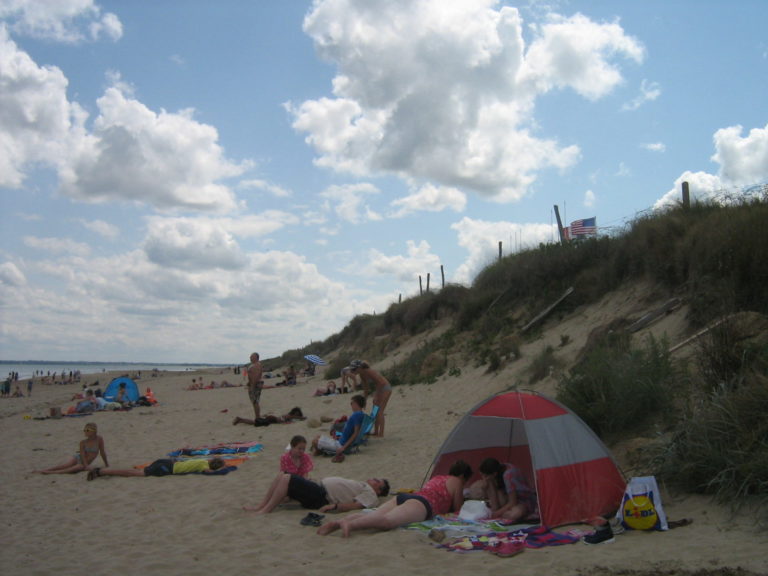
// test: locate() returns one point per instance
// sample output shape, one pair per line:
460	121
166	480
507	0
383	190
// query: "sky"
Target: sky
192	181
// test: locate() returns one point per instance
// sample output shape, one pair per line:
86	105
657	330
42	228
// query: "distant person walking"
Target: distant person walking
255	384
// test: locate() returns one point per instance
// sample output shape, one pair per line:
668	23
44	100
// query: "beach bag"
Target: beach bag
473	510
641	507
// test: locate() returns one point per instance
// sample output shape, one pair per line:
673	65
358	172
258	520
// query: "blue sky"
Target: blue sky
190	181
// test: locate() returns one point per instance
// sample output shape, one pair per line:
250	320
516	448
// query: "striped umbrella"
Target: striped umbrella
315	359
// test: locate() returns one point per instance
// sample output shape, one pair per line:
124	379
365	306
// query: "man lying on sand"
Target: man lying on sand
163	467
330	494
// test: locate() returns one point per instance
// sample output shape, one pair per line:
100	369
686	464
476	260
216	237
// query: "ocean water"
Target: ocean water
29	369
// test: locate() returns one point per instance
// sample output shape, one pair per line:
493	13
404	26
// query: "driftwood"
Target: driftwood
547	310
698	334
654	315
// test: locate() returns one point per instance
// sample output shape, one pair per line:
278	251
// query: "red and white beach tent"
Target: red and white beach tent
571	470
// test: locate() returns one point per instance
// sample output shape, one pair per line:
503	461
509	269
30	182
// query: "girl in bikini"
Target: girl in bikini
92	446
381	394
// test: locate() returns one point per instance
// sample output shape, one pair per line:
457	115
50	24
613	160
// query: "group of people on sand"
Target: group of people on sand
212	386
501	485
371	381
440	495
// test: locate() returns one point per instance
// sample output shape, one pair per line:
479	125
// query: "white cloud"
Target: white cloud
172	313
445	92
348	202
133	154
101	228
431	198
743	162
418	261
260	224
273	189
701	186
36	119
60	20
623	170
10	275
58	245
574	52
481	239
654	147
191	244
589	199
649	91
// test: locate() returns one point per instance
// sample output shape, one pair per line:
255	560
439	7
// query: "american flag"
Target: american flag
585	226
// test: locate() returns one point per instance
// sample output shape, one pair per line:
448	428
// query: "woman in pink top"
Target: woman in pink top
440	495
296	460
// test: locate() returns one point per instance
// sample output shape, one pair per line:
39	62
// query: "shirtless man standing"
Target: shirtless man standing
255	384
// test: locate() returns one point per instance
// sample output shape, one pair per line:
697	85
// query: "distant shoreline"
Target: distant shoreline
29	368
88	362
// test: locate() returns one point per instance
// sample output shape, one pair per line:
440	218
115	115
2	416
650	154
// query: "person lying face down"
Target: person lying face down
330	494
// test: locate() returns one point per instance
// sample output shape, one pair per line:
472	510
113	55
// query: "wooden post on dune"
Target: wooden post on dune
499	249
686	196
428	273
420	290
442	275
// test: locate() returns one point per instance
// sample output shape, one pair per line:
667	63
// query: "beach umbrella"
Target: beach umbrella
315	359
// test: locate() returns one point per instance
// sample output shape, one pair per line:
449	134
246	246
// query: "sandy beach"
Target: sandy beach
194	524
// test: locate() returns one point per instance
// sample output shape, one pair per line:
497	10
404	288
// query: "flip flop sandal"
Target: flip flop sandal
312	519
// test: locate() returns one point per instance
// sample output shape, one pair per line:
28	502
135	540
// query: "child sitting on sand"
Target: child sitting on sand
296	460
164	467
92	446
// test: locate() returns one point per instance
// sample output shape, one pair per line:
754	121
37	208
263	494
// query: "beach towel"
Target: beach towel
489	535
533	537
227	450
452	523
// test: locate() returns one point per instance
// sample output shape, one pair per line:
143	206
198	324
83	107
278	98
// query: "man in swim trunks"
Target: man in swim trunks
332	494
255	384
164	467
